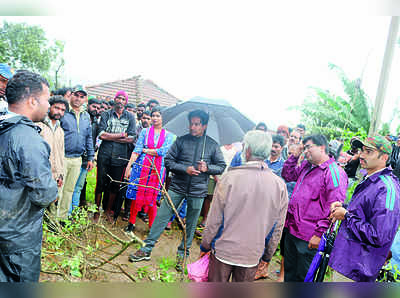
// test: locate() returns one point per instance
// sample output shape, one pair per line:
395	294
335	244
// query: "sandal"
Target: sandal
262	271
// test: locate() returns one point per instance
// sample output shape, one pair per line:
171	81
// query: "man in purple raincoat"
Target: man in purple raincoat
320	182
370	221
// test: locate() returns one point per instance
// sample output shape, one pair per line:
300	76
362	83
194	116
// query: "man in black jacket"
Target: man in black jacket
26	182
395	158
192	168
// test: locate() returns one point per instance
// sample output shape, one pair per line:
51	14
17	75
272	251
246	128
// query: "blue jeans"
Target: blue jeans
164	214
77	191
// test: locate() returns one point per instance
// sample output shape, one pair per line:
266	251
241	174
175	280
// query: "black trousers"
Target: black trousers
121	198
298	258
105	168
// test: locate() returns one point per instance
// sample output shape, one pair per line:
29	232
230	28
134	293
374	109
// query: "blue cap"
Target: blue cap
5	71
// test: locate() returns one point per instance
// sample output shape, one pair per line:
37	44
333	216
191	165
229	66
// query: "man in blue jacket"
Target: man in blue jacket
370	221
26	183
78	139
5	75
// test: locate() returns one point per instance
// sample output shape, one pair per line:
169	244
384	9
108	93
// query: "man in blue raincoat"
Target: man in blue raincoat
370	221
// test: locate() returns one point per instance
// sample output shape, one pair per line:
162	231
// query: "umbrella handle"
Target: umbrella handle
204	146
334	226
204	141
328	231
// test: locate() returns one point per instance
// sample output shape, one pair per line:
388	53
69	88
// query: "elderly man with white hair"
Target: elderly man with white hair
249	205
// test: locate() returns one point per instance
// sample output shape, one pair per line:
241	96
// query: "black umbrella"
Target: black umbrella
330	240
317	270
226	124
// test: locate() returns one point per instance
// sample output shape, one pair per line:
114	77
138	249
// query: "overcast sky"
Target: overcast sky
261	63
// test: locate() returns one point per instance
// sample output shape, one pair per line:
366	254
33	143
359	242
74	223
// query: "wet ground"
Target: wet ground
163	254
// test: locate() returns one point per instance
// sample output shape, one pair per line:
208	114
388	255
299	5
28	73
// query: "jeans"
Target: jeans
77	191
164	214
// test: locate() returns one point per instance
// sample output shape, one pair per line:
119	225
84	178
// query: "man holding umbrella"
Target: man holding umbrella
192	158
370	221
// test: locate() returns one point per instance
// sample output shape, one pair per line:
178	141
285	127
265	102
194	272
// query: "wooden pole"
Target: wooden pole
384	76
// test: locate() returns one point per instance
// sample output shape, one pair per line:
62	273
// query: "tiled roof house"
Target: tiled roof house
138	90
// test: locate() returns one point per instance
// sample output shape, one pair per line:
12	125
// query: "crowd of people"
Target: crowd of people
275	188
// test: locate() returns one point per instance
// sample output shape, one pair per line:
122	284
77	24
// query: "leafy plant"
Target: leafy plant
347	135
75	248
73	265
168	276
143	272
389	273
167	263
331	114
163	273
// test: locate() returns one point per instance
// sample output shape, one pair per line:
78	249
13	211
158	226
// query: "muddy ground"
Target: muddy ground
148	271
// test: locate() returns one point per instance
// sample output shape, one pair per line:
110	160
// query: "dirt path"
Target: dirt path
163	254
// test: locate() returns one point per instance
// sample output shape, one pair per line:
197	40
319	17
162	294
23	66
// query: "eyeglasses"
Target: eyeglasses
120	97
308	147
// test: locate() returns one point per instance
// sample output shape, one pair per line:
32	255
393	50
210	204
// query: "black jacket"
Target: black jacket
395	160
26	188
110	123
352	165
186	151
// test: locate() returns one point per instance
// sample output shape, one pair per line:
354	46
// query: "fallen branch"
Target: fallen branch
119	267
109	233
55	273
177	216
135	184
124	247
169	200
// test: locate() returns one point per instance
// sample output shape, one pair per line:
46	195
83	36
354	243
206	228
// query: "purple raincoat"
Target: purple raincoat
316	189
368	230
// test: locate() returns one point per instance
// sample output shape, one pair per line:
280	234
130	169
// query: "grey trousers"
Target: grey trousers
164	215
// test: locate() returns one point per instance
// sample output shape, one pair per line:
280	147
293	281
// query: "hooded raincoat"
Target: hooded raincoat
26	188
368	230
